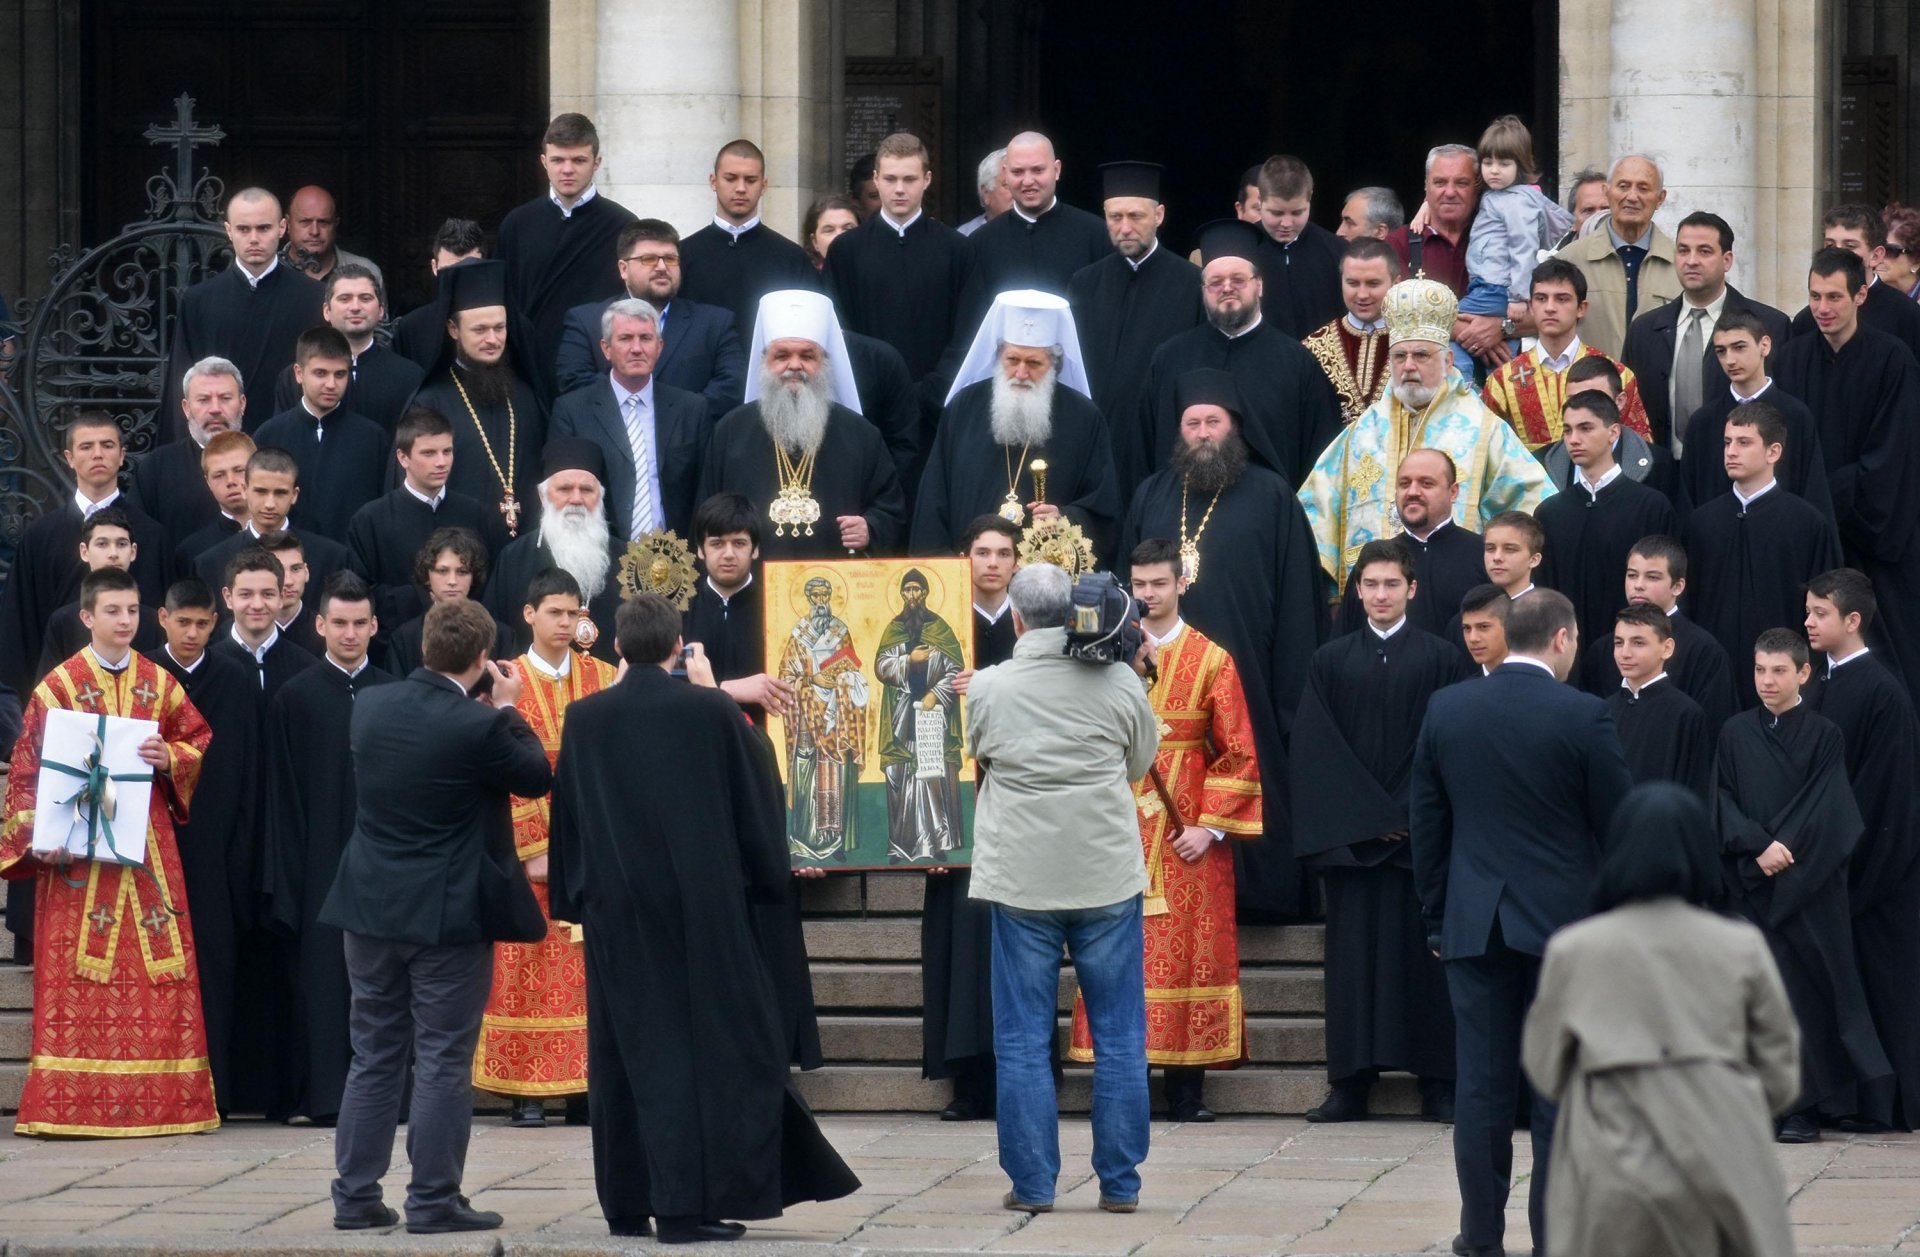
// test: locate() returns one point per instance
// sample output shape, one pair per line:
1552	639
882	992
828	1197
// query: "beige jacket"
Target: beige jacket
1605	327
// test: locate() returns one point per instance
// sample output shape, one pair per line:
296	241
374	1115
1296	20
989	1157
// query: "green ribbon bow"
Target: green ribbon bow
98	798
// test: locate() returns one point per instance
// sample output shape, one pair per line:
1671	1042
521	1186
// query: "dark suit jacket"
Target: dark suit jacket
681	429
1649	353
1515	778
702	354
432	810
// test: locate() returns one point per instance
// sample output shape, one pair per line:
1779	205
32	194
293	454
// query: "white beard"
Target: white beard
1022	416
577	539
797	421
1415	396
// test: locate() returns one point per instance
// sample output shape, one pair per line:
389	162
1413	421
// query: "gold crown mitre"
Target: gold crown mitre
1420	309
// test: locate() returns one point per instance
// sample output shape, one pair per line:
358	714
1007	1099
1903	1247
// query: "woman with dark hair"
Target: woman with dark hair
1902	267
1663	1034
826	218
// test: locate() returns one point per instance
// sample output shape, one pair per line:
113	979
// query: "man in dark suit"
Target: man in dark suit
1506	833
1703	254
652	434
169	483
702	352
427	884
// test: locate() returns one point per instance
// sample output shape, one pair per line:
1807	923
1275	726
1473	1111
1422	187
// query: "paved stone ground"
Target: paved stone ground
1248	1186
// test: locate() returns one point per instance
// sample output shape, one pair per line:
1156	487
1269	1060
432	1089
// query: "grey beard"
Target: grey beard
797	421
1207	467
1414	396
1022	416
488	383
1235	322
578	546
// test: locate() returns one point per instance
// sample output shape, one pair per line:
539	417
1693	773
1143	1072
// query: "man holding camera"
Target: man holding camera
1057	855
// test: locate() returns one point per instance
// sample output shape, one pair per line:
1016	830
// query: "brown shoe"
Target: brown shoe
1118	1206
1013	1202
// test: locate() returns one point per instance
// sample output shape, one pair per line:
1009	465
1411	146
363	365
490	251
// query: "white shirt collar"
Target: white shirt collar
1443	522
736	230
727	598
1834	665
993	617
1593	490
260	655
1530	661
1383	635
1651	682
547	670
1034	218
1179	627
566	211
901	228
1137	263
350	675
1245	331
290	619
620	393
253	281
1746	501
1563	360
89	507
1357	327
1713	309
418	496
190	667
126	660
1523	593
1757	393
318	419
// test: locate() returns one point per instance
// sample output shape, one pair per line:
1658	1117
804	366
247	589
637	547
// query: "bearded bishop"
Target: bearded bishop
572	533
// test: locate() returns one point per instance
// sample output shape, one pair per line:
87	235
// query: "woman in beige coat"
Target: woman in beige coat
1662	1032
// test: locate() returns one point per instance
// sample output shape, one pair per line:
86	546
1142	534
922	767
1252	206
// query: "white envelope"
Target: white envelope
59	822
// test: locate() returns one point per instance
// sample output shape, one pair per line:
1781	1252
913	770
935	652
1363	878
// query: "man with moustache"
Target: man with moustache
313	222
380	381
572	534
1352	349
1446	557
1371	212
167	481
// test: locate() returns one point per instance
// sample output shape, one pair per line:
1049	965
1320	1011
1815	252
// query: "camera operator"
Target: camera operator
1056	852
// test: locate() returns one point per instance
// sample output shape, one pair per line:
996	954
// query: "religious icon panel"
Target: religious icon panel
872	753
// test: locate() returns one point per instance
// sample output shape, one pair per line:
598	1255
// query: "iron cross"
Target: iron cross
185	135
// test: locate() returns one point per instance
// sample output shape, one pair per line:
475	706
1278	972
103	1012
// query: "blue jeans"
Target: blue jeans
1106	947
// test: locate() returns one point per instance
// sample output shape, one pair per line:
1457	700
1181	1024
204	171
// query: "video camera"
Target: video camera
1103	622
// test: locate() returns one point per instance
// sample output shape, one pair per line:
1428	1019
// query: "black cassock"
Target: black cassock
1123	313
217	855
1588	537
1699	667
1352	757
186	555
46	576
903	287
956	935
1665	736
343	461
284	660
324	556
1887	310
1802	468
1290	416
853	474
168	485
252	326
890	402
514	570
1015	251
1876	720
474	472
309	813
385	536
733	630
719	268
1747	570
1446	565
692	1111
557	261
400	652
1258	596
65	635
966	474
1866	397
1300	281
381	383
1784	779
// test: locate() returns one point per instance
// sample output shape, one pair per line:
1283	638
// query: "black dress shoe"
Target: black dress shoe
527	1114
1343	1104
696	1231
1860	1126
577	1111
629	1228
1463	1249
366	1219
1190	1111
1797	1128
965	1109
462	1217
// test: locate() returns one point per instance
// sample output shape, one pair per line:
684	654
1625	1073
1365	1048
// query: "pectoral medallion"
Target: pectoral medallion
1190	561
793	508
1012	511
510	509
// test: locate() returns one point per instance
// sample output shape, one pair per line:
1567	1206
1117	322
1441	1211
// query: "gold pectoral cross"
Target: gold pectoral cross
510	508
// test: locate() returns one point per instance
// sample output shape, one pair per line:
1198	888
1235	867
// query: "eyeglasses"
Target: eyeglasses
651	260
1221	283
1400	356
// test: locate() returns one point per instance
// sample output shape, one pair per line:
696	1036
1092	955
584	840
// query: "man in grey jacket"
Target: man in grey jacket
1057	854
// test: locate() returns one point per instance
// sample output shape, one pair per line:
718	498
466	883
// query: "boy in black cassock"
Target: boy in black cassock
1752	550
1742	348
1657	576
342	454
737	259
1663	732
1788	825
1511	545
106	540
1366	694
1859	694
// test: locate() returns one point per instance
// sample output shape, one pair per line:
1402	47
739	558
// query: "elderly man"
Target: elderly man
573	535
381	380
799	449
654	436
1630	266
990	184
1452	191
1586	197
167	482
1374	212
1136	298
1019	403
1352	349
313	222
1348	497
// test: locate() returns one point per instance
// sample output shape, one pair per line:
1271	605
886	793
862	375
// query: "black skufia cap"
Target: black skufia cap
1229	238
1207	386
572	453
1131	178
476	284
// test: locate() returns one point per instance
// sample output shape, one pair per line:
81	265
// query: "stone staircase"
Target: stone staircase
863	935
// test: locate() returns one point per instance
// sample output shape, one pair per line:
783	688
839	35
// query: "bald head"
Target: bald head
252	199
312	220
1425	488
254	228
1032	171
1635	190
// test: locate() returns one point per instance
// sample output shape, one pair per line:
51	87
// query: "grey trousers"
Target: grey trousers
428	999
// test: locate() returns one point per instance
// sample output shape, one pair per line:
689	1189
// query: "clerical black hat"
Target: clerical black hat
1131	178
1229	238
1208	386
573	453
473	285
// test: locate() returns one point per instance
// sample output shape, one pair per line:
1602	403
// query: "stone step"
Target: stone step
16	1036
859	1039
898	939
1249	1090
16	987
13	1076
895	987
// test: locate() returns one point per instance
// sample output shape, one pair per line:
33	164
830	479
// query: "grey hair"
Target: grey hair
211	366
1041	593
1383	207
1057	352
1438	151
988	172
1581	180
1658	173
627	308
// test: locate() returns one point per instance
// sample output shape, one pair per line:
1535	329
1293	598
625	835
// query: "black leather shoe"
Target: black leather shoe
1463	1249
1190	1111
695	1231
1797	1128
461	1217
1436	1103
1859	1126
630	1228
1343	1104
527	1114
366	1219
963	1109
577	1111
